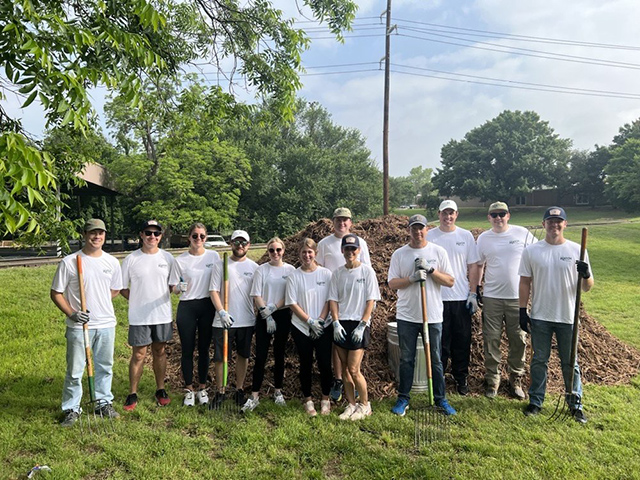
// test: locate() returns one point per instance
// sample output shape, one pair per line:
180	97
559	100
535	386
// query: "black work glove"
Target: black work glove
583	269
525	321
479	295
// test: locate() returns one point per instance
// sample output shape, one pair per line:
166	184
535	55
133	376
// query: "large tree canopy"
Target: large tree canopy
509	155
623	175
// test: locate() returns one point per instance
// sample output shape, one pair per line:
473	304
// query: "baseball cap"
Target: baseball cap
94	224
495	206
240	234
418	219
151	223
342	212
555	212
448	204
350	240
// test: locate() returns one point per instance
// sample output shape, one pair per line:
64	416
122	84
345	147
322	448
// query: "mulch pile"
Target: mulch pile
604	360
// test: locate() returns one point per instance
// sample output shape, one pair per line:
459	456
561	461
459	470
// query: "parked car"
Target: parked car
214	241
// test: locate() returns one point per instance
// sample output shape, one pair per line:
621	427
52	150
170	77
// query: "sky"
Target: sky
452	63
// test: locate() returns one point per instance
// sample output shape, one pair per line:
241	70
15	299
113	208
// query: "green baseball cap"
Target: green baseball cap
94	224
498	206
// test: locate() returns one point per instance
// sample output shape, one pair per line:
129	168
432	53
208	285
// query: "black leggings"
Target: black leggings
305	346
263	342
195	315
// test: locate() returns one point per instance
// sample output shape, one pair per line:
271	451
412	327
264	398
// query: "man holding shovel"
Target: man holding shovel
550	270
102	282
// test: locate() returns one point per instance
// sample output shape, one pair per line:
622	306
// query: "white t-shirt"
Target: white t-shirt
402	265
310	291
554	279
240	301
147	278
330	253
270	282
101	275
352	289
501	252
196	271
461	250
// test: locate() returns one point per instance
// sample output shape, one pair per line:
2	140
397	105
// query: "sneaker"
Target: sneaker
310	408
131	402
347	412
462	388
578	415
401	407
336	390
515	388
491	391
445	408
240	397
203	397
362	411
106	410
189	399
531	410
251	403
325	407
279	398
70	417
217	401
162	397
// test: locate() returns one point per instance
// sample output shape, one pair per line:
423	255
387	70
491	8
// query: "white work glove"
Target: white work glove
225	318
267	310
418	276
472	303
79	317
182	286
271	324
316	327
358	333
421	264
339	333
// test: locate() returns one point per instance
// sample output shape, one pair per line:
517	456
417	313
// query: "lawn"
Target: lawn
489	439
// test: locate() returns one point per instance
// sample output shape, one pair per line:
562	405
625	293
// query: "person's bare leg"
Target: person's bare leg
159	355
136	365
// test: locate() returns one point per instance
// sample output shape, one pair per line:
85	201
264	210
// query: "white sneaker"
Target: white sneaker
279	398
310	408
203	397
347	412
325	407
251	403
362	411
189	399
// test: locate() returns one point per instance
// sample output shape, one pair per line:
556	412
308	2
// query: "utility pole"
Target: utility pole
385	127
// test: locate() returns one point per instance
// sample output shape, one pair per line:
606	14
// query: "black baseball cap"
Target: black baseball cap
555	212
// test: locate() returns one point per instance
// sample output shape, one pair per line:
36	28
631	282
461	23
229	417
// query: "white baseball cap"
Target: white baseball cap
240	234
448	204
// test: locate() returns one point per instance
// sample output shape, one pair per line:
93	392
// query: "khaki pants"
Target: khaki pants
494	312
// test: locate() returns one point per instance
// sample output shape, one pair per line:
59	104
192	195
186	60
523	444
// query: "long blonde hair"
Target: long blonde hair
275	240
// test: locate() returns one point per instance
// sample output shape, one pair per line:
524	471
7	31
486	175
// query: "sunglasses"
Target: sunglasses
353	249
155	233
195	236
274	250
240	243
498	214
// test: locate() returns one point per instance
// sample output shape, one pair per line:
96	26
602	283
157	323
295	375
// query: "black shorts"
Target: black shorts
240	336
349	326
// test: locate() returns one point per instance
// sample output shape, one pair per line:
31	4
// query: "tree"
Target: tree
508	155
629	130
401	191
623	175
586	174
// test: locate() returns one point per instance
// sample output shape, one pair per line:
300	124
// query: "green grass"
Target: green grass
489	439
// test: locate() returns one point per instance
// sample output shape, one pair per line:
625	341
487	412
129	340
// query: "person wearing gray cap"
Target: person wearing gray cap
550	271
500	250
102	282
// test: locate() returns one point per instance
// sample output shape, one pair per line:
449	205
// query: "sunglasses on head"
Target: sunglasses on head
498	214
274	250
240	243
155	233
195	236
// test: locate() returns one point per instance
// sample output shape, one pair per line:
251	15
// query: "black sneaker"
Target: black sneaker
70	417
531	410
106	410
162	397
240	397
131	402
336	390
579	416
462	388
216	401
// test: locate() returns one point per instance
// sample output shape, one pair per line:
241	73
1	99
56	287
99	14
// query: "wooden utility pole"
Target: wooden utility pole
385	127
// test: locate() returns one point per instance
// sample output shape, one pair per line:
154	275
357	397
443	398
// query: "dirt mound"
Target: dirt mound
604	360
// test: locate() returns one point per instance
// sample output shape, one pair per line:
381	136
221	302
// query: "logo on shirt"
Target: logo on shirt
514	242
284	277
566	259
163	265
360	280
108	271
461	244
248	274
321	283
209	265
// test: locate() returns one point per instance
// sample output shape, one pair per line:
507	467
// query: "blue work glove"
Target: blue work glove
358	333
267	310
583	269
225	318
339	333
271	324
472	303
316	327
525	321
79	317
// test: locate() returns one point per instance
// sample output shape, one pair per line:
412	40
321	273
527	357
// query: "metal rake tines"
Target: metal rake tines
430	425
225	405
566	405
94	421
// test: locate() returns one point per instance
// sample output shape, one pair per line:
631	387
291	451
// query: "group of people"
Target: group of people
326	306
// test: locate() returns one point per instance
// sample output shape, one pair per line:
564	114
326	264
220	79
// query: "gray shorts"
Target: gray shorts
141	335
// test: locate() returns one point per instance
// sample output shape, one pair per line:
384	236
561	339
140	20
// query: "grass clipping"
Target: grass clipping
603	359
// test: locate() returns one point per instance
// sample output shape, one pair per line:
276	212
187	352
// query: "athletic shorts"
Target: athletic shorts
349	344
141	335
240	336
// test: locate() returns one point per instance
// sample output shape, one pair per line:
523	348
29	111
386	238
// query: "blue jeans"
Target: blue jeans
102	341
407	337
541	334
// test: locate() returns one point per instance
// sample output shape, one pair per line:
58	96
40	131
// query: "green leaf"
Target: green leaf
30	99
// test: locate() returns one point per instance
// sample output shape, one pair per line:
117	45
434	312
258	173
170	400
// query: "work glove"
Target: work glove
478	295
225	318
472	303
358	333
421	264
182	286
525	321
271	325
418	276
583	269
339	333
267	310
79	317
316	327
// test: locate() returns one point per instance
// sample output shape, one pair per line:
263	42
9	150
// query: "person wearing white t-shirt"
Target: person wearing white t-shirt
550	271
460	302
419	261
102	282
145	276
500	250
353	292
239	320
330	256
191	275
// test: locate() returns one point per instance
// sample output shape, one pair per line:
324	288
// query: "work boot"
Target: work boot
578	415
515	387
491	391
462	387
70	417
